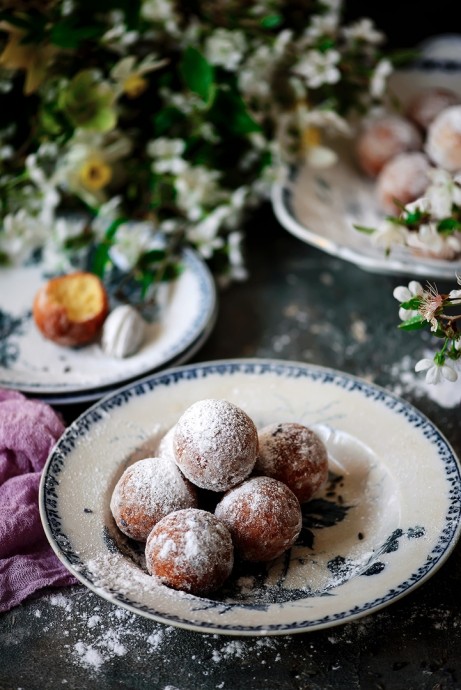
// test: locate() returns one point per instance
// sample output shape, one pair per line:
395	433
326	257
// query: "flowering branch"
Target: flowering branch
427	308
174	115
430	224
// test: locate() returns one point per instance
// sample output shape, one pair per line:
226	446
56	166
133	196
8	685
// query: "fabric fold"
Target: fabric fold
28	431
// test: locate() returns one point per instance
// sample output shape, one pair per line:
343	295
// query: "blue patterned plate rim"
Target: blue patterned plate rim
417	544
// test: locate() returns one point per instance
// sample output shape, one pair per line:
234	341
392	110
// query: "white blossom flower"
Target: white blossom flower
379	78
388	234
363	30
442	193
255	74
405	294
129	74
435	372
131	241
21	235
167	154
236	259
47	188
107	213
89	164
225	48
455	295
196	187
319	68
205	234
55	257
161	11
322	25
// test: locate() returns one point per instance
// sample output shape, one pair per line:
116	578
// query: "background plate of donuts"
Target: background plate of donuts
386	160
386	519
35	365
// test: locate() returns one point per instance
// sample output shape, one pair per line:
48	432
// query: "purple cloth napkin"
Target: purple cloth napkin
28	431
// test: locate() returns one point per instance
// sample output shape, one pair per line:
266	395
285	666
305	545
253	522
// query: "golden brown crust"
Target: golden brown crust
54	315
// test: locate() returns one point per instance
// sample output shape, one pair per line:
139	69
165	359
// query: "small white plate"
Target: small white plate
386	522
32	364
321	207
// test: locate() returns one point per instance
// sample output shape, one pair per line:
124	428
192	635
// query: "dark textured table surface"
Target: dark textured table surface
297	304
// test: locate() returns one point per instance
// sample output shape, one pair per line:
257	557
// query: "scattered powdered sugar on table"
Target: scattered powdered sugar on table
446	394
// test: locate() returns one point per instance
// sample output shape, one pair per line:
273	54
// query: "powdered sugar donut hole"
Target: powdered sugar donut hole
426	104
215	444
190	550
295	455
165	447
405	178
382	138
443	142
147	491
263	516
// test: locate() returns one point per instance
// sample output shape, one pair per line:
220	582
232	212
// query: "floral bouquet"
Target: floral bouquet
131	128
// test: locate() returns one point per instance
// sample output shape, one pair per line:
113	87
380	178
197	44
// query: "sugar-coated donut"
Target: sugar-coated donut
190	550
148	490
295	455
405	178
215	444
382	138
426	104
263	516
165	447
443	142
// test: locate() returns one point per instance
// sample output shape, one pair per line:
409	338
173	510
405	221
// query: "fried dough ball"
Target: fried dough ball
263	516
148	490
426	104
405	178
443	143
295	455
382	138
190	550
215	444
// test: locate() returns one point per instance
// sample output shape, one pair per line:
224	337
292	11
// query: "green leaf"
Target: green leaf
412	303
448	225
365	230
230	112
100	259
272	21
67	35
152	256
198	74
413	324
113	227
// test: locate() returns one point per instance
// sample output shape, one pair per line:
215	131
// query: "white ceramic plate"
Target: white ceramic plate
321	207
32	364
388	519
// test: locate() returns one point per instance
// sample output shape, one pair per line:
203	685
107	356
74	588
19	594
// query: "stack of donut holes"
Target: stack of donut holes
399	149
218	490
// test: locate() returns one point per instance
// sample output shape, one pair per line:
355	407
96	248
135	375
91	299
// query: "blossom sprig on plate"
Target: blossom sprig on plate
427	308
430	225
173	114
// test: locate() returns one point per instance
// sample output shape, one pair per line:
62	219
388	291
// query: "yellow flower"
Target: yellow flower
129	75
33	58
311	137
95	174
134	85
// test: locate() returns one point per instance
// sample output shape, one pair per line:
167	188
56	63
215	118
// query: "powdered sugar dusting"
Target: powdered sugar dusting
147	491
190	548
215	444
